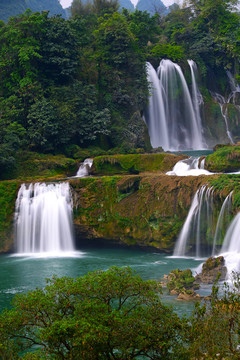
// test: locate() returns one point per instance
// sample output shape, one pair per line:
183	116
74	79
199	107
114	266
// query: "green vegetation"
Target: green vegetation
134	163
31	165
146	210
111	314
82	82
8	194
224	159
116	315
182	281
214	331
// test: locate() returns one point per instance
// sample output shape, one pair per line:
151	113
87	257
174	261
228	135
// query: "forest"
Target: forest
68	85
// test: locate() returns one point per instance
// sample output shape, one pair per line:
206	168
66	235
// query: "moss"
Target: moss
182	281
134	163
31	165
145	210
224	159
224	184
8	193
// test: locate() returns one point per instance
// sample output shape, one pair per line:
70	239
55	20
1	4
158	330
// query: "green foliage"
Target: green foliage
8	193
220	318
43	126
224	159
133	163
104	315
181	281
173	52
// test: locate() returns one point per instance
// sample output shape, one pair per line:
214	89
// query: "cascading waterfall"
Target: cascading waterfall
173	120
222	103
231	246
84	168
197	98
235	88
199	225
43	219
193	166
222	222
156	116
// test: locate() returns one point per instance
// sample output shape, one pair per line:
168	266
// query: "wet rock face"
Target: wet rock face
210	270
135	210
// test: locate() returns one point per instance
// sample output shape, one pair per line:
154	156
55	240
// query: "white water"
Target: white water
181	244
43	219
189	167
197	98
173	119
222	218
222	103
84	168
199	225
157	124
231	246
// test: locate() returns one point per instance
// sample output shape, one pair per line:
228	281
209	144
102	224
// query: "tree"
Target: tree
110	314
59	52
221	319
44	128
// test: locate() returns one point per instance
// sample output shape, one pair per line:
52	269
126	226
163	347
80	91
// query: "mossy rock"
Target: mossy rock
211	269
140	210
224	159
34	165
182	281
134	163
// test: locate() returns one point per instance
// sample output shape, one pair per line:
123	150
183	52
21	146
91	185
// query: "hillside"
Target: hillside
16	7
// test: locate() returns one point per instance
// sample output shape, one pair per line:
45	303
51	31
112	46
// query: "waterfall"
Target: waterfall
172	118
235	88
43	218
198	221
223	218
156	116
192	166
231	246
199	225
84	168
197	98
222	103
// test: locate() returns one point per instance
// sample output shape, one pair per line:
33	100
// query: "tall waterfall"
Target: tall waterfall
43	218
156	115
199	228
173	115
197	98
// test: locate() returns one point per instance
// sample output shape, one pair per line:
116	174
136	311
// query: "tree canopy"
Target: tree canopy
111	314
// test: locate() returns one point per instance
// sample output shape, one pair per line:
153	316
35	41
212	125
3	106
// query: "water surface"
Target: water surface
19	274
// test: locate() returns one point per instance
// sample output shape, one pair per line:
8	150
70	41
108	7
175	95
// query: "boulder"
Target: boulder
210	270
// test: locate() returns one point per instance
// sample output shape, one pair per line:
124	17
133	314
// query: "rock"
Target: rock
210	270
189	297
